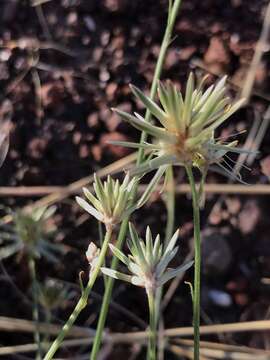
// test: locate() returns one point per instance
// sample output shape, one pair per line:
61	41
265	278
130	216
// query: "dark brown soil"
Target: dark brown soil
60	130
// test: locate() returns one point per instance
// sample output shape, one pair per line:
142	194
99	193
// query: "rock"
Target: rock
118	151
249	217
90	23
265	166
84	151
36	147
111	90
115	5
76	137
96	152
92	120
217	57
220	298
52	93
216	254
172	59
186	52
233	205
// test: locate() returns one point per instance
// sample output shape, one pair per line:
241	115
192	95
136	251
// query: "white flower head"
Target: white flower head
148	261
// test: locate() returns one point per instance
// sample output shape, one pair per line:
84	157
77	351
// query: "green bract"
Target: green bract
52	294
186	134
148	261
29	235
113	201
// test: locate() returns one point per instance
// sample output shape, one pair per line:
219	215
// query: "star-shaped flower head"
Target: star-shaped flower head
29	234
52	294
148	261
186	135
114	200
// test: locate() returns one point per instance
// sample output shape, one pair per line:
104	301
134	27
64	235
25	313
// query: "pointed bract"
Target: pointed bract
148	261
186	134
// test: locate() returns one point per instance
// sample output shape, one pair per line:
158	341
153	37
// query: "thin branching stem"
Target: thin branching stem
124	226
32	269
83	299
197	263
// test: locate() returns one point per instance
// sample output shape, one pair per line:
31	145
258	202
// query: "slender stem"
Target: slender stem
32	268
170	204
108	293
173	11
83	299
152	339
124	226
48	319
170	207
197	263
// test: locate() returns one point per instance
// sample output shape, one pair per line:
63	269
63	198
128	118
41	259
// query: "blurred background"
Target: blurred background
63	65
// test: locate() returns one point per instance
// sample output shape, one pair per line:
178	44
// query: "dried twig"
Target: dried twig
260	135
260	48
21	325
43	22
234	84
224	347
238	189
18	325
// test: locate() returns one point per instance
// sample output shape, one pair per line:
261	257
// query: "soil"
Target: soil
58	81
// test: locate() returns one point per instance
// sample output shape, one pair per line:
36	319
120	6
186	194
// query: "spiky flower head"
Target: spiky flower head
186	135
29	234
114	201
148	261
52	294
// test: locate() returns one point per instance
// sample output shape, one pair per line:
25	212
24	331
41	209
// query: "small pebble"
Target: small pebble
220	298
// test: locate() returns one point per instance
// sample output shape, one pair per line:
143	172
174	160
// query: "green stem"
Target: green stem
170	204
108	293
152	339
173	11
32	268
197	263
83	299
48	318
124	226
170	207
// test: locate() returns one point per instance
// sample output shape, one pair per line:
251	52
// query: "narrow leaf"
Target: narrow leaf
119	255
150	105
170	274
116	274
90	209
151	186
